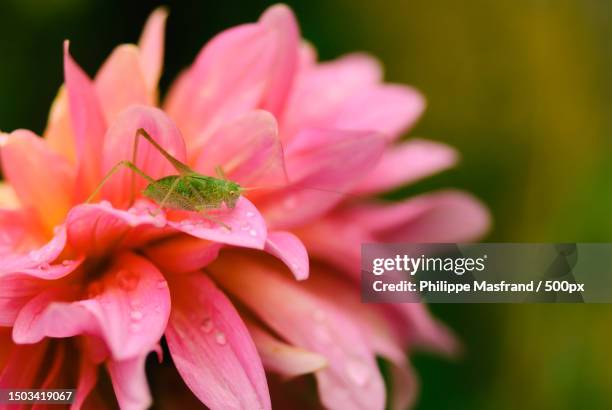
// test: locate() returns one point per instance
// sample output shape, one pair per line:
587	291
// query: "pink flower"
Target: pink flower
102	283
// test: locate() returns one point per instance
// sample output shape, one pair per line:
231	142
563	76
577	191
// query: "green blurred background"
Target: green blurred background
523	88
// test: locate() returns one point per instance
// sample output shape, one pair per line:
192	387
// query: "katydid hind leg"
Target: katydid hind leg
181	168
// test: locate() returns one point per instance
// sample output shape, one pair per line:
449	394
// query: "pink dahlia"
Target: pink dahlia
91	286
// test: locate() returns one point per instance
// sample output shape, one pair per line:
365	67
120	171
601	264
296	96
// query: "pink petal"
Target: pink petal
352	379
151	46
212	348
16	262
121	82
130	383
182	254
58	133
248	149
241	226
48	271
445	216
88	125
279	357
128	308
320	91
119	146
42	179
323	165
288	248
336	242
390	109
227	79
93	229
281	20
418	328
8	197
88	377
15	292
23	366
406	163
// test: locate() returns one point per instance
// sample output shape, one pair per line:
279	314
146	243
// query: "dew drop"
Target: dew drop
136	315
220	338
67	262
207	325
250	214
253	232
358	372
105	204
162	284
127	280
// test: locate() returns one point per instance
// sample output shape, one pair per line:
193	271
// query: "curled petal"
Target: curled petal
281	20
352	379
15	292
151	46
42	179
88	125
121	83
279	357
130	383
93	229
242	225
15	262
288	248
248	149
184	253
119	146
406	163
212	348
128	308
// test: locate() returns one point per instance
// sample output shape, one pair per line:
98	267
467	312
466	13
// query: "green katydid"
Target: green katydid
188	191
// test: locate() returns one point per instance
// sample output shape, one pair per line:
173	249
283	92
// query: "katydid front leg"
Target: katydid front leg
114	170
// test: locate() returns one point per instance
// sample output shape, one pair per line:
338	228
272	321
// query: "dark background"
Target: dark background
523	88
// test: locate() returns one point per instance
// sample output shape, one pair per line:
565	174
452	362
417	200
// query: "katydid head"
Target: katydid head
233	192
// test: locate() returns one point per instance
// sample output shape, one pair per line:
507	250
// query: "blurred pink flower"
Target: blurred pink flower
102	284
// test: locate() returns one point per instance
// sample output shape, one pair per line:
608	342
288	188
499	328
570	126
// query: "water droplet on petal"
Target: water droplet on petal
207	325
253	232
127	279
136	315
220	338
358	372
250	214
67	262
105	204
162	284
